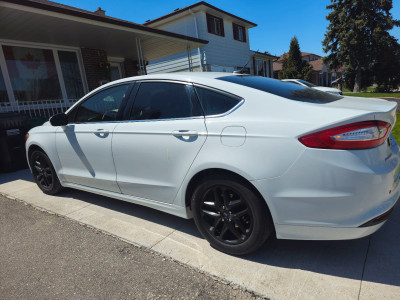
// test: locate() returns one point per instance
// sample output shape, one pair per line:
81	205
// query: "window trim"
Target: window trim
130	105
210	22
74	109
235	28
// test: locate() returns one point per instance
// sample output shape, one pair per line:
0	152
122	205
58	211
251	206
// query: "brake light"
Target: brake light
361	135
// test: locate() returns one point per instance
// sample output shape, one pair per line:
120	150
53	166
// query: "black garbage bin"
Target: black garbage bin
13	128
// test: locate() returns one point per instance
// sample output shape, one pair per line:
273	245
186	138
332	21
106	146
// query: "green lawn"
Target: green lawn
396	129
373	95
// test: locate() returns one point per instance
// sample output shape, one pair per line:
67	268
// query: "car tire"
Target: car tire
231	216
44	174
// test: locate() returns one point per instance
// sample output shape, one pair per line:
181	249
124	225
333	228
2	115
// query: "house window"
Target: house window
33	73
71	74
40	74
215	25
261	68
239	33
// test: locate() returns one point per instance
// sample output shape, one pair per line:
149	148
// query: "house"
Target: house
321	75
228	47
52	54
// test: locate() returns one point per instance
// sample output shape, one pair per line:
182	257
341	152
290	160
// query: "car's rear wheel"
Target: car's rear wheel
231	216
44	173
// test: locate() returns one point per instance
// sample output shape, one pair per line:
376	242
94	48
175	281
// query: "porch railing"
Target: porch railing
44	108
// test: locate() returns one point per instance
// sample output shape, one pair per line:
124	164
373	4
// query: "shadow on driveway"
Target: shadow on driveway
375	258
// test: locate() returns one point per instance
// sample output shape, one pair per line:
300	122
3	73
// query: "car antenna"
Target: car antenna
240	71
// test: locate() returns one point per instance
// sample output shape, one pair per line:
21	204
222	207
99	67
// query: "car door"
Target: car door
84	145
155	149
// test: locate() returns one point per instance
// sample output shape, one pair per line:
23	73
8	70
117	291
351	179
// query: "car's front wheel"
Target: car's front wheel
231	216
44	173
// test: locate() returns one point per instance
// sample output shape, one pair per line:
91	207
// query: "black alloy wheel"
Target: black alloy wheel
226	214
44	173
231	216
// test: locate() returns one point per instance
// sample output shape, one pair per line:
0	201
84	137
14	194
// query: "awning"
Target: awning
48	22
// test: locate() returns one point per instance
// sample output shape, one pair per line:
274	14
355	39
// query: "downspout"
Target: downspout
197	36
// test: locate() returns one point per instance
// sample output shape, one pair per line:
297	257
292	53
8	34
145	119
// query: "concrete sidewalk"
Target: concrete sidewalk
368	268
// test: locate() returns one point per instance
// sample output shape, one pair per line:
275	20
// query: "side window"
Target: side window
102	106
215	103
164	100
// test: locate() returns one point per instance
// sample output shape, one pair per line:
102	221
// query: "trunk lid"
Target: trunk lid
383	110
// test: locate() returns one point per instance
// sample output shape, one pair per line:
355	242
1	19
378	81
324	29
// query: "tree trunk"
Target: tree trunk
357	82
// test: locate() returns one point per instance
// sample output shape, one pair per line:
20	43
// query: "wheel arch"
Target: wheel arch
221	173
31	148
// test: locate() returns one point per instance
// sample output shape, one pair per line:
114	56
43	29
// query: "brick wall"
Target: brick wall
131	68
92	58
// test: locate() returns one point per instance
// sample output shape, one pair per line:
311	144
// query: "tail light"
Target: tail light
361	135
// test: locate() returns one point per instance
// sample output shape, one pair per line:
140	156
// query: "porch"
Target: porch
52	54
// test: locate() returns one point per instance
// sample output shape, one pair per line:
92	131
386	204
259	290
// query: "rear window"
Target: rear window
283	89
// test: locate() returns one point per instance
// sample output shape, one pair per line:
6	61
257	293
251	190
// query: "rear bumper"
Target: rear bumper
381	218
334	195
291	232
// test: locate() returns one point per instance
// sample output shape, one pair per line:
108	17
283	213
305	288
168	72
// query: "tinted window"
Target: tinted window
102	106
215	103
163	100
283	89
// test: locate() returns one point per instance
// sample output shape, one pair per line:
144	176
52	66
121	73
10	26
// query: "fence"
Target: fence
45	108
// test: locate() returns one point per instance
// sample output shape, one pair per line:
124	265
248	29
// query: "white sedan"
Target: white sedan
247	157
310	85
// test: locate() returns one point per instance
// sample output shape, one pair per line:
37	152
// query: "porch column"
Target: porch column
142	66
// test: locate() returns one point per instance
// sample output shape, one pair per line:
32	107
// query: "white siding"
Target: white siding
184	25
223	51
220	51
174	65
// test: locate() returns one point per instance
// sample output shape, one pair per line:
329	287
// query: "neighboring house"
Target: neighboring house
228	49
52	54
321	76
262	64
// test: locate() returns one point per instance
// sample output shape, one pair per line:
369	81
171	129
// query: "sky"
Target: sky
278	21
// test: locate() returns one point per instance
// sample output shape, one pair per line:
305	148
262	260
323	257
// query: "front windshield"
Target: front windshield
306	83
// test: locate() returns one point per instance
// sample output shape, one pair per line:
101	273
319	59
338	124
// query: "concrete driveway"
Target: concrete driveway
368	268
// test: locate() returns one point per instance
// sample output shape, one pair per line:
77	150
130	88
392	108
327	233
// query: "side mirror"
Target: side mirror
59	120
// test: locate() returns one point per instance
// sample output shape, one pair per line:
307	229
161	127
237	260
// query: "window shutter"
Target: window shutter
235	31
209	23
222	27
244	34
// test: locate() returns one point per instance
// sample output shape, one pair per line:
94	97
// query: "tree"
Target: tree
293	66
357	37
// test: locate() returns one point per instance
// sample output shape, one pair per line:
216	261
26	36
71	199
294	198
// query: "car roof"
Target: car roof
180	76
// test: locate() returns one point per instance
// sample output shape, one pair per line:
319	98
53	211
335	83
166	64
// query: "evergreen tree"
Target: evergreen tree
357	38
293	66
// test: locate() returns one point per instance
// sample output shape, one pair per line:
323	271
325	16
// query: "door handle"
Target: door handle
182	133
101	132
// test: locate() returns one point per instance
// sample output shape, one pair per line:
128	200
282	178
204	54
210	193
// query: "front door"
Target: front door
84	145
154	151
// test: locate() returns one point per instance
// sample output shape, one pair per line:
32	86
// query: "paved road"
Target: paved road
44	256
